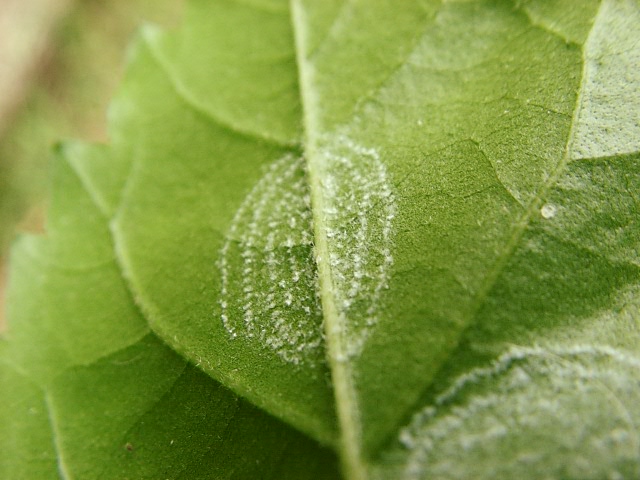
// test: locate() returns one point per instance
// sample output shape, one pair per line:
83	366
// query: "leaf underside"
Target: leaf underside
401	235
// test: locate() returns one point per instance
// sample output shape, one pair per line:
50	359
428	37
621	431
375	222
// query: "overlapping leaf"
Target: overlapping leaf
446	209
93	394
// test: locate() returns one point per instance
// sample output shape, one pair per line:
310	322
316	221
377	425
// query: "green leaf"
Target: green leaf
186	228
27	449
93	394
432	235
435	188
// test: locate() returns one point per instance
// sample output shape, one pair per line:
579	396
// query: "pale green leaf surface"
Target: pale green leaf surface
548	383
425	188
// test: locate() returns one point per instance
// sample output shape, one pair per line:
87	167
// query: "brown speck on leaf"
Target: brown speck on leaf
129	447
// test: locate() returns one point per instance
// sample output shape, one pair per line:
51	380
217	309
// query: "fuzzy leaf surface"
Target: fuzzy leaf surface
409	231
463	159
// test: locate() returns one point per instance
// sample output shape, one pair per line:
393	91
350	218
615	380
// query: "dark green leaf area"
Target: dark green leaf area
26	446
583	244
464	201
576	271
547	374
151	416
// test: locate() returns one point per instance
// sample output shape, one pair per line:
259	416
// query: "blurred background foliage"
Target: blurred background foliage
60	62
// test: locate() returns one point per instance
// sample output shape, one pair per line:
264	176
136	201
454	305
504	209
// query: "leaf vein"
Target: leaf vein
63	470
185	96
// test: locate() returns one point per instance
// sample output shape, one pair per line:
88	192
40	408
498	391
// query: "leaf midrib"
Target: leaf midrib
344	390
